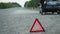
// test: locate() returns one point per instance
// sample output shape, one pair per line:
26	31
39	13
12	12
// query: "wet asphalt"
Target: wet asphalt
20	20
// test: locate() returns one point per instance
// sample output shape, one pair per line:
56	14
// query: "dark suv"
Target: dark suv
52	6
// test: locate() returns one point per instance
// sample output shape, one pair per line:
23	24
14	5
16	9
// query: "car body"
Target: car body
50	6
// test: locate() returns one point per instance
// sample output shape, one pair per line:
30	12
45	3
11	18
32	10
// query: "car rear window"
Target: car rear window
53	0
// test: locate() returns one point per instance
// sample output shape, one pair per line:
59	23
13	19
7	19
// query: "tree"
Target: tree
26	4
33	3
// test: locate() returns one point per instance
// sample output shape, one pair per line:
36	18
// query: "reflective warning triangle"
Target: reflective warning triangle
37	27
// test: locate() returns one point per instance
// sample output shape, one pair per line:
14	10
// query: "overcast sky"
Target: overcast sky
21	2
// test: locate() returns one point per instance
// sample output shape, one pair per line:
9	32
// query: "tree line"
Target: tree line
9	5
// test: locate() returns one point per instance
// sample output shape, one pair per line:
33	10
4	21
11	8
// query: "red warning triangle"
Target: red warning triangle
37	27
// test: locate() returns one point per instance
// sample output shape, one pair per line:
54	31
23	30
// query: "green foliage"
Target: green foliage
32	3
26	4
8	5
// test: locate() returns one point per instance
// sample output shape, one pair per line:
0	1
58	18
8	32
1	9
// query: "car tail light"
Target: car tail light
44	2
